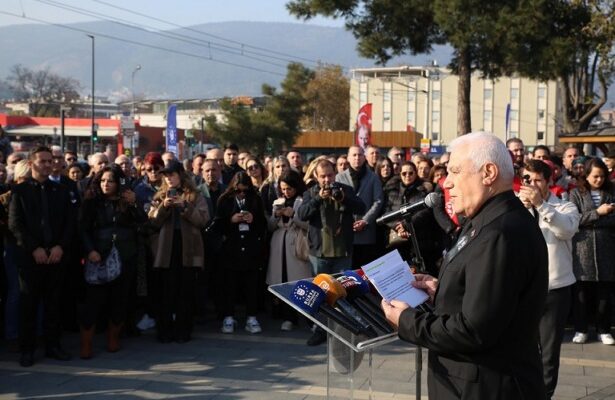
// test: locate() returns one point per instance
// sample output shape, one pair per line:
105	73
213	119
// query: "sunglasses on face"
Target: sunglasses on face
152	169
252	167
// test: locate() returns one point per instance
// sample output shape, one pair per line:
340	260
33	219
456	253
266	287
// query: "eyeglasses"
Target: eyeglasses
252	167
407	173
152	169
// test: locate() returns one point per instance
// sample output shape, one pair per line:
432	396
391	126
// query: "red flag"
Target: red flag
363	127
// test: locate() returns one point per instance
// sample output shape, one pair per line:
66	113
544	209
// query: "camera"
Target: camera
337	193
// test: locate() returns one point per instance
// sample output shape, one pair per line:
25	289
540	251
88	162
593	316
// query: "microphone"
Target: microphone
311	299
355	293
408	209
335	294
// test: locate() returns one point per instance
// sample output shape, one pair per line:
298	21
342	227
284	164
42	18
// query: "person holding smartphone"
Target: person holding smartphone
180	211
241	217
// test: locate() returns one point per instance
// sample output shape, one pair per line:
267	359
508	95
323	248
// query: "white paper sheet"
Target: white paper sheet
391	276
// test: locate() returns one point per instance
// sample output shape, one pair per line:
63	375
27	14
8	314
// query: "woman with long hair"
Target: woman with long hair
284	264
257	171
109	217
593	251
384	169
269	191
180	212
241	219
409	188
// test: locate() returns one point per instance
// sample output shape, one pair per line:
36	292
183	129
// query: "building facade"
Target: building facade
424	100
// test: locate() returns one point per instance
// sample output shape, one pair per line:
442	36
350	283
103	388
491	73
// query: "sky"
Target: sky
182	12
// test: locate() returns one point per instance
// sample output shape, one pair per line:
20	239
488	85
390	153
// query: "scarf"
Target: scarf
357	175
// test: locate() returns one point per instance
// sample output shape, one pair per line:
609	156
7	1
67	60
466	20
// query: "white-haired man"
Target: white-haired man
483	333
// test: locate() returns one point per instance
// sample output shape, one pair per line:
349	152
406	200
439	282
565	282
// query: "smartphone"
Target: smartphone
172	192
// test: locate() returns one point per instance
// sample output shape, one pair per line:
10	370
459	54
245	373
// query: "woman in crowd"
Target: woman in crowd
75	172
409	188
241	218
180	212
593	251
384	169
269	190
21	172
436	174
284	264
257	172
109	217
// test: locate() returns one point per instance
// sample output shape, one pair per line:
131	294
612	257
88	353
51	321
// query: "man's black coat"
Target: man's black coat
25	214
483	335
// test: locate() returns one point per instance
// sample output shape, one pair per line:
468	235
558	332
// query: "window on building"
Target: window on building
435	116
541	114
387	95
435	95
514	93
487	94
435	135
514	115
487	115
386	116
411	117
411	94
542	92
540	135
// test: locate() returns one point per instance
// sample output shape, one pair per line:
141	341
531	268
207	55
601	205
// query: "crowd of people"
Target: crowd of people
219	228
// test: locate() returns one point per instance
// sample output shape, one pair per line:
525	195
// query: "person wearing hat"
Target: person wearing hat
180	212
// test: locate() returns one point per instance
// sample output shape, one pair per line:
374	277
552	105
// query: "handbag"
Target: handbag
107	271
302	245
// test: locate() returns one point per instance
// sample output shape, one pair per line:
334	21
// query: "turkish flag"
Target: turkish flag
363	128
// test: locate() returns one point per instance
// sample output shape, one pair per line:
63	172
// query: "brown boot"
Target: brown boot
86	342
113	337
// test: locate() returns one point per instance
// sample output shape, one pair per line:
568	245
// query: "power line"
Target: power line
154	31
243	45
136	43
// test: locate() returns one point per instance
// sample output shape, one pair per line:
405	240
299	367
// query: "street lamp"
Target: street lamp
132	89
94	134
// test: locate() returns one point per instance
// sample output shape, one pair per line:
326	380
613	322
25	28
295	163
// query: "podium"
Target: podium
349	356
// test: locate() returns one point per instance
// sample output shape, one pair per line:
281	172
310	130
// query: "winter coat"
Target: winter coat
370	191
429	235
103	223
192	219
242	249
283	240
593	247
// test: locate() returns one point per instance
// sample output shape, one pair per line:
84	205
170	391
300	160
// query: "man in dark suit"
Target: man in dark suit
40	219
490	295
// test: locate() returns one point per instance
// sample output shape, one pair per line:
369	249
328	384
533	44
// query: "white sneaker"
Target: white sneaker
146	323
607	339
286	326
228	325
253	326
580	338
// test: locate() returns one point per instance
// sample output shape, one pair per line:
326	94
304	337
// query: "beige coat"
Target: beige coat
296	269
192	221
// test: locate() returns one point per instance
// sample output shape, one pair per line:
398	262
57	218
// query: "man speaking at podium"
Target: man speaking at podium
490	294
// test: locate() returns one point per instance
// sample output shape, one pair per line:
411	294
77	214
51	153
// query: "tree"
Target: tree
479	31
580	55
328	100
45	90
273	129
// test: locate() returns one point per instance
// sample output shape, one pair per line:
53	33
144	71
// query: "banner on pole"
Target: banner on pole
363	127
171	136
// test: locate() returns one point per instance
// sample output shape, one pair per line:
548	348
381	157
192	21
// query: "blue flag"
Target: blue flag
171	138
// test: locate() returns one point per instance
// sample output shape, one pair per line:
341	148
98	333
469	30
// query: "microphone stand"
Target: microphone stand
420	267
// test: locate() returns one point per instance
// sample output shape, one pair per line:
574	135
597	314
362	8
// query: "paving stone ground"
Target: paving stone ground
270	366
